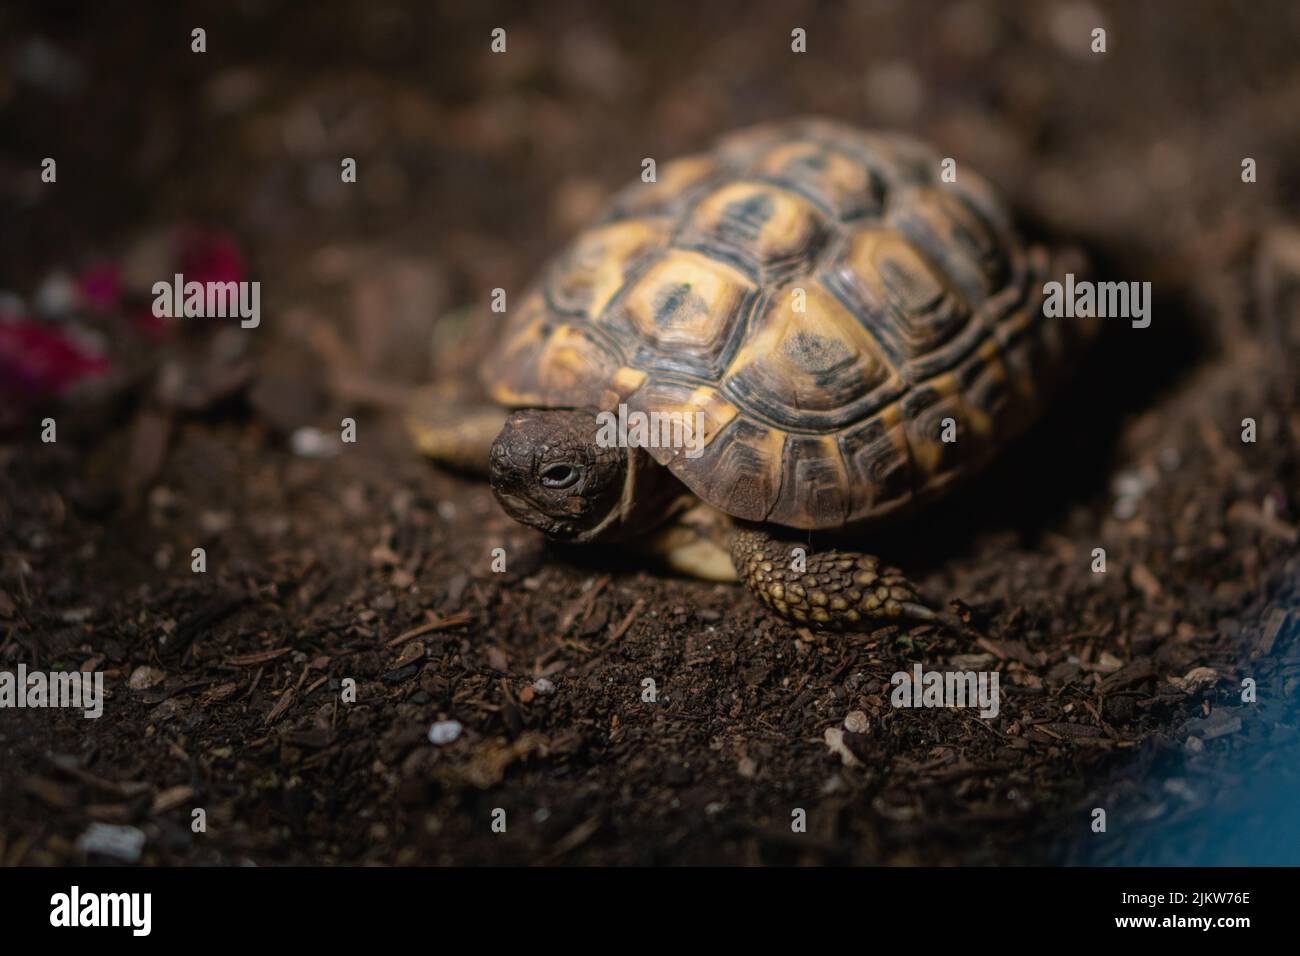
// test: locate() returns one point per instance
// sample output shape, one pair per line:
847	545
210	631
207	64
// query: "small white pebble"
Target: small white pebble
215	522
57	295
444	732
1128	484
314	443
543	686
1071	26
856	722
1126	508
1179	788
119	842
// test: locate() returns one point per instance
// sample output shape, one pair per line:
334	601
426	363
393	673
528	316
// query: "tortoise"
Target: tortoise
851	334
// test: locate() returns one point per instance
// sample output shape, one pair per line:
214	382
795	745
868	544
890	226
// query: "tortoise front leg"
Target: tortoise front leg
837	590
453	432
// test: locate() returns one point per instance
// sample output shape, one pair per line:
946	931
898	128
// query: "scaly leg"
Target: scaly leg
837	590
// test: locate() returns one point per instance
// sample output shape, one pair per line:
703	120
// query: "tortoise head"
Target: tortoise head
549	471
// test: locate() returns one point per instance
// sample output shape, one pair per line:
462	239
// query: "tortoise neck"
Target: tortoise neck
651	497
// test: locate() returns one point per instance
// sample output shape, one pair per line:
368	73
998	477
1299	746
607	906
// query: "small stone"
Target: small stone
1131	484
57	296
120	842
543	686
1180	788
215	522
1195	680
1108	663
834	738
444	732
1218	724
313	443
1071	26
857	722
834	784
142	678
1126	508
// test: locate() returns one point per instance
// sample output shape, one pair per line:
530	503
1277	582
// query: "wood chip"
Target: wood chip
1248	513
281	706
411	653
1009	649
575	837
70	766
1140	577
1071	730
258	657
438	624
219	693
627	622
171	798
1273	624
1139	670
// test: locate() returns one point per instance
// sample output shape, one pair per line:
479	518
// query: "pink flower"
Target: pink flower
37	360
206	255
155	327
100	285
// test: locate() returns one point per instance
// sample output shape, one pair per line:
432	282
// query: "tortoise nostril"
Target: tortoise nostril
559	476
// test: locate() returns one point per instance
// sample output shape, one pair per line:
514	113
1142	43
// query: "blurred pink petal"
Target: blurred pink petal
100	285
156	327
37	360
206	255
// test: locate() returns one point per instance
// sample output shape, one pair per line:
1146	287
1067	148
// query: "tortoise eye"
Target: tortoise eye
559	476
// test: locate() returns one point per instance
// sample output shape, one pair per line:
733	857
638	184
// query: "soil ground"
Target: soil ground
1121	690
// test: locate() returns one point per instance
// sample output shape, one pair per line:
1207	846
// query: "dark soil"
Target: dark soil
1121	690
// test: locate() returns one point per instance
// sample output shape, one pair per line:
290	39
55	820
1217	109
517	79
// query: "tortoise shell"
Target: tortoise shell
823	298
